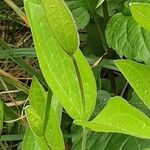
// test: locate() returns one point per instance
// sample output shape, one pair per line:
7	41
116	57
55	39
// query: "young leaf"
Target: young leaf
119	116
140	12
58	67
62	24
127	37
37	97
48	112
35	122
138	77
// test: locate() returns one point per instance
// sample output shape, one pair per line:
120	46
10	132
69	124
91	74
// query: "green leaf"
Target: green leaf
30	142
1	116
113	7
138	103
119	116
125	36
58	67
140	12
37	97
20	52
102	99
138	77
81	11
107	141
88	83
49	114
35	122
100	2
61	21
53	132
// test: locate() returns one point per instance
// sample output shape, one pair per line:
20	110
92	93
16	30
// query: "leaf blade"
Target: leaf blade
127	38
138	77
140	12
56	11
115	117
35	122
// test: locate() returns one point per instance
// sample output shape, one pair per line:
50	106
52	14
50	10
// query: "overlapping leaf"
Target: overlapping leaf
138	77
140	12
58	68
107	141
128	38
81	10
37	115
31	142
119	116
62	24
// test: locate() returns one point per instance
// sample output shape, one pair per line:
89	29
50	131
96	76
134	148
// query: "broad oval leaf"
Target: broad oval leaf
62	24
81	11
141	14
35	122
138	77
128	38
119	116
58	68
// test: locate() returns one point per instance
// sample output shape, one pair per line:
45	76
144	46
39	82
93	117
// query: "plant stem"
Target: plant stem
48	107
79	80
105	11
84	138
98	27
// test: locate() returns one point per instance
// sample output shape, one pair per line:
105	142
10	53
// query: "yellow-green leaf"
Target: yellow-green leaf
35	122
119	116
141	13
138	75
62	24
30	142
37	97
58	67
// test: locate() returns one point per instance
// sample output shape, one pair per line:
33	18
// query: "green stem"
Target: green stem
84	138
80	80
98	27
48	107
105	11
